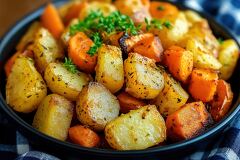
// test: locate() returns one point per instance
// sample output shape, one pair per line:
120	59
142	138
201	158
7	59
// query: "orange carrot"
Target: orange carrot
162	9
188	121
78	47
114	38
203	84
179	62
74	11
83	136
127	102
51	20
150	47
11	60
222	101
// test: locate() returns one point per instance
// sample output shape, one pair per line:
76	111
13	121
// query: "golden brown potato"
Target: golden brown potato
175	34
172	97
54	116
109	69
228	56
96	106
29	36
63	82
143	78
192	16
25	87
104	7
46	49
138	129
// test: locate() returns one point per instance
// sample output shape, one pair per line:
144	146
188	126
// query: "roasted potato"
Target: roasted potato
63	82
201	56
143	78
172	97
29	36
138	129
25	87
174	34
104	7
228	57
192	16
96	106
46	49
54	116
109	69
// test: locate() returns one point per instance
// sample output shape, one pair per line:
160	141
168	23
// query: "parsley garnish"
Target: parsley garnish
160	8
97	44
156	23
220	40
68	64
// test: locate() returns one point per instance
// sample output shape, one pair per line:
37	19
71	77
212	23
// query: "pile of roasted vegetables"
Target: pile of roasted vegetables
128	74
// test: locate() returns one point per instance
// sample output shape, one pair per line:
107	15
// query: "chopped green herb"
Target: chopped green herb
167	24
220	40
68	64
156	23
148	25
97	44
160	8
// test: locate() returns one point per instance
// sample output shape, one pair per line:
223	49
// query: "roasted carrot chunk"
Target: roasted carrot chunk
11	60
51	20
127	102
78	47
162	9
187	122
222	101
74	11
150	47
83	136
203	84
179	62
114	38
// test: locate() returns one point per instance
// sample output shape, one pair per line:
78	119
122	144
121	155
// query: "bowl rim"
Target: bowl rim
168	148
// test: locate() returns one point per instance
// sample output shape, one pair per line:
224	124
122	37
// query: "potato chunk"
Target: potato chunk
172	97
46	49
109	69
96	106
54	116
143	78
25	87
228	57
64	82
139	129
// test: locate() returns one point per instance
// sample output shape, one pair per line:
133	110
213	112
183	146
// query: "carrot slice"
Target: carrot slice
150	47
222	101
187	122
203	84
78	47
127	102
11	60
179	62
51	20
83	136
74	11
162	9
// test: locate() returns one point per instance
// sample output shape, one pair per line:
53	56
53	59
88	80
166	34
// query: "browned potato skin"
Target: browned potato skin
25	87
96	106
61	81
46	49
143	78
109	69
138	129
54	116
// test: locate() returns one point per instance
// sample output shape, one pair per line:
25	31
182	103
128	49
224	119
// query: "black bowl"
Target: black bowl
66	149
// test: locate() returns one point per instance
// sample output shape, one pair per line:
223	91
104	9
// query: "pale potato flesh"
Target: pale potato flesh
138	129
96	106
54	116
63	82
25	87
143	78
109	69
